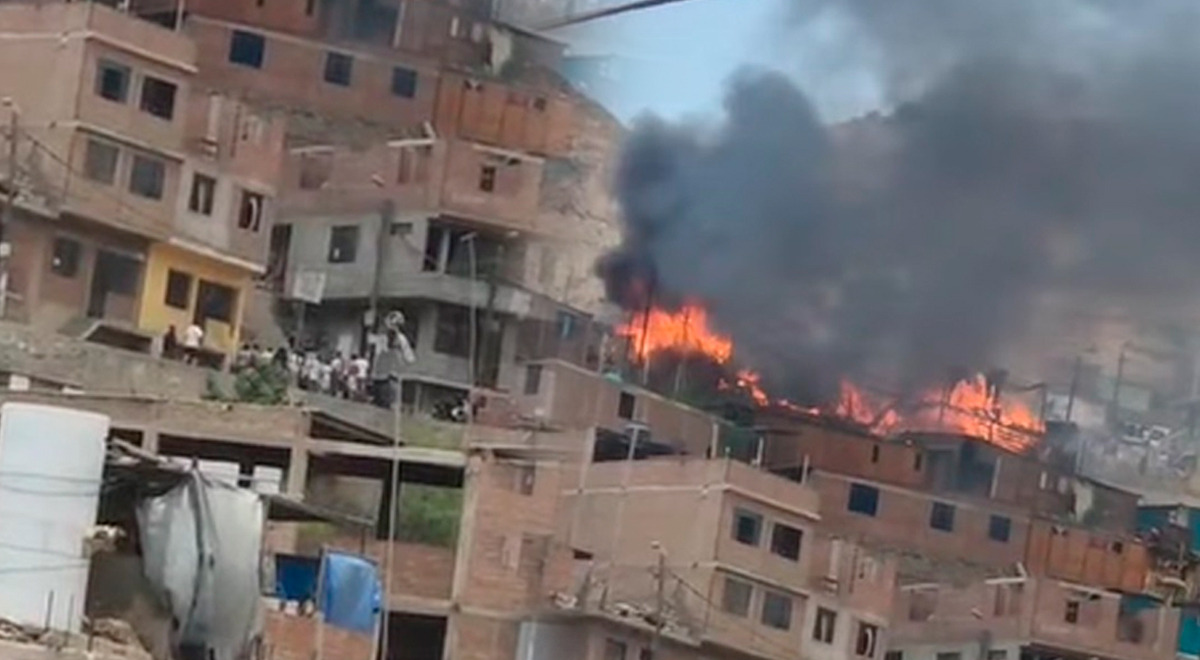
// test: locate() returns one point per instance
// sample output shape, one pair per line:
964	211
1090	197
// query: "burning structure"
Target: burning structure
1019	159
974	405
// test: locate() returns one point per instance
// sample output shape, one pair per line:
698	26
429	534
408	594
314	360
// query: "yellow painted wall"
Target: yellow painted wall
156	315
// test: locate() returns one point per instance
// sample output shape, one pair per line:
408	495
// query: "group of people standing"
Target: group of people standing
367	377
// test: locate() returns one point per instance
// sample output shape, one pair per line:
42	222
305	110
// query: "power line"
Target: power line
746	626
586	16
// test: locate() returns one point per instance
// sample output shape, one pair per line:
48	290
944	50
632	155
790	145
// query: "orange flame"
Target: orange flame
686	330
968	407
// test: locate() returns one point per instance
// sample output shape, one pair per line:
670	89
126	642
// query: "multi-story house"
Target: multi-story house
436	166
971	523
141	199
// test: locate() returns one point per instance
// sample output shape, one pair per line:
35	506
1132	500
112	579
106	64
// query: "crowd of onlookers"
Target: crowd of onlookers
325	372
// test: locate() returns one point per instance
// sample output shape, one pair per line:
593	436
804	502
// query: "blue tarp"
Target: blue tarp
296	577
1189	633
351	595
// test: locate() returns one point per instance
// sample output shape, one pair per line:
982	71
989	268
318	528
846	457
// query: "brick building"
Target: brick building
434	165
970	523
142	198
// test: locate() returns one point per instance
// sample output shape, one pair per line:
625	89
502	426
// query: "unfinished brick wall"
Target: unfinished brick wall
514	562
902	521
293	70
539	120
290	636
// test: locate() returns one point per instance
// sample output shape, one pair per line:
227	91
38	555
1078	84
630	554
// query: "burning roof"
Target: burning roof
973	405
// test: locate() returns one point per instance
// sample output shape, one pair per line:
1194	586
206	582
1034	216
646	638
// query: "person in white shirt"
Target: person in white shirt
193	337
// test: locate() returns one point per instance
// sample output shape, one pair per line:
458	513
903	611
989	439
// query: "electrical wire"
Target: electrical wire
746	626
71	169
587	16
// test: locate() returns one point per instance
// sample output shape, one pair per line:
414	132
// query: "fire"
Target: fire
969	407
686	330
748	381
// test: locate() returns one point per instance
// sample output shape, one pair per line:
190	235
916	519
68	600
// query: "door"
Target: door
113	292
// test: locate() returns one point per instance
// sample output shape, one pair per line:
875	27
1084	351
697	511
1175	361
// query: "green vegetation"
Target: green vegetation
263	384
429	515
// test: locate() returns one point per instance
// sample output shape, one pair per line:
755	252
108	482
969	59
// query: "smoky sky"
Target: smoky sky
1027	147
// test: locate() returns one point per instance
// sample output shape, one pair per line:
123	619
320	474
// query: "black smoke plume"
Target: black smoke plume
1029	148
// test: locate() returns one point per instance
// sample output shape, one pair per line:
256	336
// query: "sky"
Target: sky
679	56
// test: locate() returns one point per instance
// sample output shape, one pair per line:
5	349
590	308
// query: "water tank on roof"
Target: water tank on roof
51	466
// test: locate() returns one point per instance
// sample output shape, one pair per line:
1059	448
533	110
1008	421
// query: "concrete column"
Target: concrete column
462	553
150	440
296	479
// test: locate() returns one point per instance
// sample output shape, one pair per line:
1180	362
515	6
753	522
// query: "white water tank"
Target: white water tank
51	466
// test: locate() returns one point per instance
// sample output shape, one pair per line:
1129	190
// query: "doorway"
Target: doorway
113	292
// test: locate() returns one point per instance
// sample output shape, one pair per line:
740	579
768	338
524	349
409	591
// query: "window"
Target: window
893	655
625	405
539	104
747	526
158	98
204	188
533	378
310	7
179	289
1071	615
645	654
999	528
525	478
785	541
922	603
247	49
863	499
941	516
997	654
315	169
453	332
215	301
147	176
404	82
65	260
487	178
614	650
874	453
1008	600
338	69
250	212
866	640
343	244
100	162
777	610
948	656
824	625
736	597
112	80
568	325
917	462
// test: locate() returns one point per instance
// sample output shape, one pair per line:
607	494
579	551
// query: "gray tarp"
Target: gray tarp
201	544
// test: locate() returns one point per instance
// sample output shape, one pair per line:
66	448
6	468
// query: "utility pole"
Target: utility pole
387	212
660	578
10	202
1074	386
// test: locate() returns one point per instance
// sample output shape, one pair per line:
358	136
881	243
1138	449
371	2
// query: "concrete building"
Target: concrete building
1001	555
734	555
142	200
436	166
1027	618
